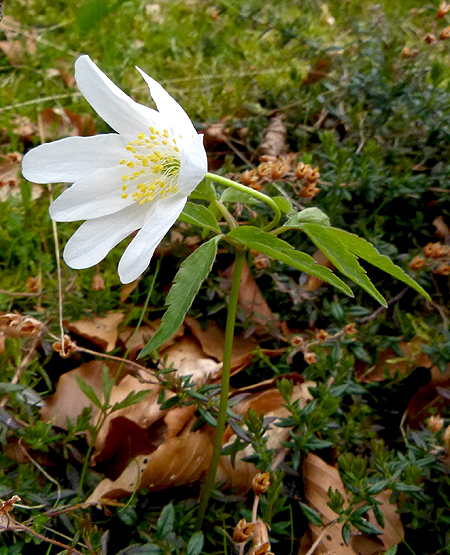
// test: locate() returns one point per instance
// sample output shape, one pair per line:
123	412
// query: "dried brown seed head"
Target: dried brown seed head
443	270
69	347
435	423
310	357
33	284
243	531
430	39
261	483
98	283
322	335
445	33
350	329
406	52
416	263
443	10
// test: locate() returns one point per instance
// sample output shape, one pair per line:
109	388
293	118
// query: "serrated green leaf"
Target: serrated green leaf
283	204
368	252
233	195
132	398
204	191
345	261
187	282
266	243
195	544
311	514
107	385
88	391
307	216
198	214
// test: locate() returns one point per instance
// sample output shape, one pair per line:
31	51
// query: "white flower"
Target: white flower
137	178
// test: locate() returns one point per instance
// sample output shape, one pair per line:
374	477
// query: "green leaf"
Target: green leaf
132	398
232	195
108	384
283	204
392	550
88	391
195	545
166	521
198	214
346	533
326	240
307	216
311	514
186	284
368	252
204	191
365	526
266	243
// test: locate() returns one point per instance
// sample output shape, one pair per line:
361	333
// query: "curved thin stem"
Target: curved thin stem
253	193
225	386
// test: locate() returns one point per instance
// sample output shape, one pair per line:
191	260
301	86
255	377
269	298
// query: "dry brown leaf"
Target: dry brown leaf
10	173
442	229
312	282
137	341
238	476
274	141
216	134
24	128
428	397
10	26
318	477
388	360
65	70
181	460
393	532
13	50
318	72
100	331
68	400
62	122
251	299
127	289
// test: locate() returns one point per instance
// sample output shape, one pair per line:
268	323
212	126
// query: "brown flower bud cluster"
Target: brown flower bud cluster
65	349
261	483
309	177
283	168
443	10
437	258
16	325
435	423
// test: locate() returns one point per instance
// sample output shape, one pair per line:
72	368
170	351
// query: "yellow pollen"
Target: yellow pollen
176	149
141	136
124	187
130	164
124	196
124	177
152	129
122	162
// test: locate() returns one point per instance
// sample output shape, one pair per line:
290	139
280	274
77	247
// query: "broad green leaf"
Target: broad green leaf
198	214
204	191
195	544
283	204
88	391
307	216
232	195
266	243
187	282
166	521
326	240
368	252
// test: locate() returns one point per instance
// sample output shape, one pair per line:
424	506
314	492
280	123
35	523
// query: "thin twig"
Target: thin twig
320	537
381	308
70	549
20	294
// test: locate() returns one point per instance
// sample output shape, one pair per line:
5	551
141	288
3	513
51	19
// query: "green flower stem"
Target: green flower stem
226	214
225	386
244	189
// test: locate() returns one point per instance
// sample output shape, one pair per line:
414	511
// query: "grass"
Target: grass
375	122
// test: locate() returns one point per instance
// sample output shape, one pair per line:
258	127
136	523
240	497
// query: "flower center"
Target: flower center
154	167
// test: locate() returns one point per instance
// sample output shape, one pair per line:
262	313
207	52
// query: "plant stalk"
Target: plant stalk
225	387
251	192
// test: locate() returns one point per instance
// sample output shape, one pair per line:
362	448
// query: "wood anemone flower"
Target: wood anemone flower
136	179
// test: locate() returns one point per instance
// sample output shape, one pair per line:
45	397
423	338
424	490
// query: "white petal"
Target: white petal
71	159
95	238
98	195
118	110
194	166
139	252
169	108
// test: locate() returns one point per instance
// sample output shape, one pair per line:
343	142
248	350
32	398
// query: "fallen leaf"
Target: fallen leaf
317	72
251	299
127	289
136	341
393	532
179	461
274	141
13	50
389	362
100	331
68	400
65	70
318	477
62	123
312	282
238	475
428	397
